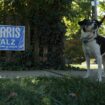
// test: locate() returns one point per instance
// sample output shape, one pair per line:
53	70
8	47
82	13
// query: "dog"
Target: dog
93	45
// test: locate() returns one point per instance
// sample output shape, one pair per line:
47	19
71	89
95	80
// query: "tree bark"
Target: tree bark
27	36
35	42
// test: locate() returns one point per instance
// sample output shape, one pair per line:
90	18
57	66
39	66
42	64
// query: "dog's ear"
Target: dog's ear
97	23
82	22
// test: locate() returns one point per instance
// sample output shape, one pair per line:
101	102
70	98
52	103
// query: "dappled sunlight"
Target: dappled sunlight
46	100
93	65
83	66
35	81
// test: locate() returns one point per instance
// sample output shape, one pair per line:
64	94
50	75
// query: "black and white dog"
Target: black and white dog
93	44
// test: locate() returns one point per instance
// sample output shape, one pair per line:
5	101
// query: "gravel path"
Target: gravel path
48	73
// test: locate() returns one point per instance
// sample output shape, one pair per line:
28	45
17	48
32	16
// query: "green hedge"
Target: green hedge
51	91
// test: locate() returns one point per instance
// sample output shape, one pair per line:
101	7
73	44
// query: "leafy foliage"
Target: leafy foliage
79	10
101	8
44	30
51	91
48	24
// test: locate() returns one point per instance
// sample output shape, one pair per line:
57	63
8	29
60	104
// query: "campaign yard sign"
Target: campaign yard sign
12	38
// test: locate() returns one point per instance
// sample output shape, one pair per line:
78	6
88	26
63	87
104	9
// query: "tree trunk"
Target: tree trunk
35	43
27	36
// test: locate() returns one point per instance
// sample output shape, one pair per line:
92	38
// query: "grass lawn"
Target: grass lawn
51	91
83	65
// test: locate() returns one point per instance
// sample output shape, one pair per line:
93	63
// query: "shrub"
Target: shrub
51	91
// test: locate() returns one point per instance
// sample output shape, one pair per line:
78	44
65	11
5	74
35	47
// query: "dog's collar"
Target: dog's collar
85	41
89	39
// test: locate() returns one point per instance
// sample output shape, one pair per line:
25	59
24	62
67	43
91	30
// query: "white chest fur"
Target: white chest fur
91	48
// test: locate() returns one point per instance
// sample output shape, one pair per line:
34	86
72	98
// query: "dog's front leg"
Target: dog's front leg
99	61
88	66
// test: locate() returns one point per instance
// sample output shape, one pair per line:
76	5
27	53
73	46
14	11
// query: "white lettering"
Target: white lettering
2	32
17	32
12	41
2	42
7	42
10	32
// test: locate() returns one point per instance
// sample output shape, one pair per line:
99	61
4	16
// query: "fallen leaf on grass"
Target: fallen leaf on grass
11	96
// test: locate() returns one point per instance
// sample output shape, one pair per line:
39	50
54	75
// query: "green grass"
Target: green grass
51	91
83	66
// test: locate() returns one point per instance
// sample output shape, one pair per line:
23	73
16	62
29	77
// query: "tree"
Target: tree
44	29
79	10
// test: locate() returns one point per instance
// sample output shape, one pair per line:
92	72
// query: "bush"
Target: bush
73	51
51	91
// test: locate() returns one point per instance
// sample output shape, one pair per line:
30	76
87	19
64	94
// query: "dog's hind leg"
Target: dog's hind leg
88	66
103	61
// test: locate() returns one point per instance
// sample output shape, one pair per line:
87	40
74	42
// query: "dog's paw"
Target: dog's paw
103	74
99	80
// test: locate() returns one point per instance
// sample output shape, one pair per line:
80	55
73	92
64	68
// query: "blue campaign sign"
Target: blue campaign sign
12	38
